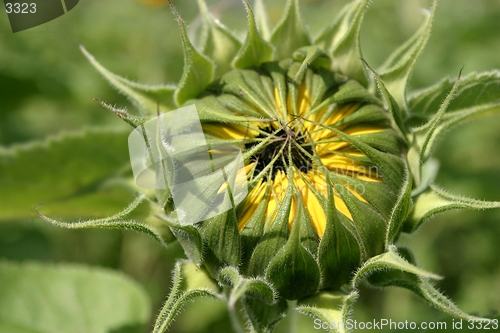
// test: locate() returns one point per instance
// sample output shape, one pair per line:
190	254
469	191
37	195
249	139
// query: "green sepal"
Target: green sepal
311	56
475	96
391	166
262	19
189	282
435	201
350	91
210	109
290	33
308	236
236	105
198	70
338	251
283	85
147	98
275	236
319	84
389	262
334	32
253	89
252	233
385	140
398	68
222	241
331	308
246	287
428	173
391	104
123	114
391	270
346	50
264	317
378	194
118	221
367	225
258	298
293	271
368	113
400	210
424	138
255	49
476	90
219	43
424	135
190	240
188	237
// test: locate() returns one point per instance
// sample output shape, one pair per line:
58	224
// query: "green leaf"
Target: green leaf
290	33
59	167
343	42
147	98
399	66
39	298
189	282
391	270
255	50
219	44
198	69
105	201
435	201
331	308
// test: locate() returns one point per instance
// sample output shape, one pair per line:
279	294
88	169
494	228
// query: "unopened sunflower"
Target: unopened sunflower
336	163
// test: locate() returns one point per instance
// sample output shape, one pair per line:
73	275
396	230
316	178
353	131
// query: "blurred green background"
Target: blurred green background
47	87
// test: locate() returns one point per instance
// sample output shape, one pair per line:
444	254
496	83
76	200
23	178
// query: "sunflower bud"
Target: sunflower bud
332	167
324	168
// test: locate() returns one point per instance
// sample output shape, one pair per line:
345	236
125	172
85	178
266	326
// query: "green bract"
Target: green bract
338	162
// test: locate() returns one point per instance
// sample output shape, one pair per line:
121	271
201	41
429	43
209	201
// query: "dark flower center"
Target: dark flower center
281	143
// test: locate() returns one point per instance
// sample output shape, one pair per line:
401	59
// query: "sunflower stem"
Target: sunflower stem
238	327
291	318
